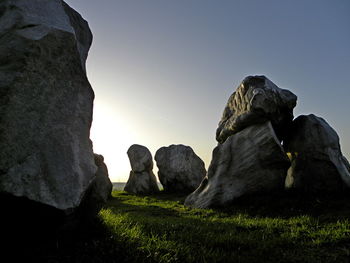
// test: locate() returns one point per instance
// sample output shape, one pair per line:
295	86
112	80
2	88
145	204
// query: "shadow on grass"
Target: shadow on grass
254	229
289	204
327	207
95	243
275	228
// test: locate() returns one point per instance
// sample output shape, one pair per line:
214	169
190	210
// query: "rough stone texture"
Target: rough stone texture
102	185
141	179
142	183
39	224
45	103
180	169
250	161
318	164
140	158
96	195
257	100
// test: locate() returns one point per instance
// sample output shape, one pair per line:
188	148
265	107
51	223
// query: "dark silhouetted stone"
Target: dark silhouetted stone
180	169
257	100
101	188
318	164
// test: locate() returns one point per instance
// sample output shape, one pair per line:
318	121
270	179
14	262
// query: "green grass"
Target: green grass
255	229
274	228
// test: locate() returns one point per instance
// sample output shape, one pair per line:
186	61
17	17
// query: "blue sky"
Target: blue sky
162	70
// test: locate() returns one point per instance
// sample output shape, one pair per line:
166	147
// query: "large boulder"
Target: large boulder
46	104
180	169
318	164
248	162
141	179
257	100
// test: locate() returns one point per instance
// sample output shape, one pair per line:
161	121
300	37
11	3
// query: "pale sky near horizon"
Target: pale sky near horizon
162	70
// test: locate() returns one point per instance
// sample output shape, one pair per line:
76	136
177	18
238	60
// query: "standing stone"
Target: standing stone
250	161
318	164
257	100
97	194
102	185
180	169
141	179
46	104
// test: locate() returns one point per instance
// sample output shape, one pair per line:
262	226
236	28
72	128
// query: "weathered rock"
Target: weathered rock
96	195
318	164
180	169
40	224
250	161
140	158
141	183
346	163
141	179
46	104
102	185
257	100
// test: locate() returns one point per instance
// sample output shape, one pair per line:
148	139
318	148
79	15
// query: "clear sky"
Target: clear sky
162	70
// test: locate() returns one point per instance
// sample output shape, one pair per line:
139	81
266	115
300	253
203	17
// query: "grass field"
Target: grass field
158	228
278	228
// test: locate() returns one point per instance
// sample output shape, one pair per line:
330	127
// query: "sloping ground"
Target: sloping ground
278	228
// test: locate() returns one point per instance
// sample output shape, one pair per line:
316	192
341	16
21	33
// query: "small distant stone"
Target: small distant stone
103	185
100	189
141	179
180	169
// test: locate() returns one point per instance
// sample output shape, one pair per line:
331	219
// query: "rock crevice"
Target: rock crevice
250	161
257	100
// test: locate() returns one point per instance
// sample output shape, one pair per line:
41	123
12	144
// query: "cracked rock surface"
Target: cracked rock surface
257	100
46	103
250	161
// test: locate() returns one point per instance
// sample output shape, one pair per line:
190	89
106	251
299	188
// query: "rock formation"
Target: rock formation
141	179
257	100
46	104
318	164
102	185
180	169
250	161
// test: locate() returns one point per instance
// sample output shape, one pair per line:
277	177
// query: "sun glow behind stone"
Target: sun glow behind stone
162	78
112	135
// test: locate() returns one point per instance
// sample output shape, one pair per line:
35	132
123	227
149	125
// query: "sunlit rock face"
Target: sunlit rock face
257	100
318	164
250	161
141	179
46	103
180	169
